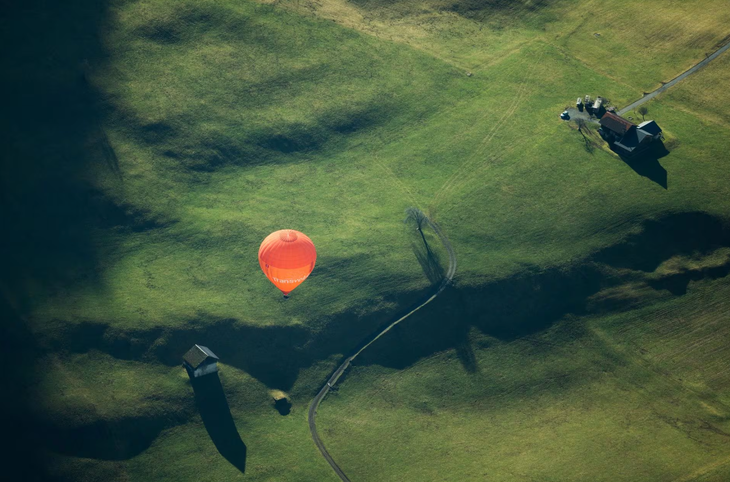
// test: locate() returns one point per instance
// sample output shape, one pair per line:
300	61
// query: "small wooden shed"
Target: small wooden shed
199	361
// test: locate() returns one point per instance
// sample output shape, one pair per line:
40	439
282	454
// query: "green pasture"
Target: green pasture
637	44
154	144
339	149
277	448
634	396
703	93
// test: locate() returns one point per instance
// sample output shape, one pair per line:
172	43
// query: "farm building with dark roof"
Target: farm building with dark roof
199	361
625	137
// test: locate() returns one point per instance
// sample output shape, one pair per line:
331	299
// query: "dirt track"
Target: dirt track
448	277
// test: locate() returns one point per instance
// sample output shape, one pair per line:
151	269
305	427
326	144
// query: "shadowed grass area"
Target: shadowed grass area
276	447
54	149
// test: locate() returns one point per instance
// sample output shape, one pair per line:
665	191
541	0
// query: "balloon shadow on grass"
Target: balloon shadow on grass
218	421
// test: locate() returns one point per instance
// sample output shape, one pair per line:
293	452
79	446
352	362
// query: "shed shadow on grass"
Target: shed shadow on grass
646	163
218	421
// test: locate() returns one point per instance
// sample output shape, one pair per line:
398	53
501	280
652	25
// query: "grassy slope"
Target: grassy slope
617	397
643	43
163	143
205	255
278	448
639	396
639	44
229	120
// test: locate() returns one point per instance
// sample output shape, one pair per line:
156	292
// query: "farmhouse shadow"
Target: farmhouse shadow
646	163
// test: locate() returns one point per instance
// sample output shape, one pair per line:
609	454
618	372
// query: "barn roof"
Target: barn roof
615	123
630	140
633	138
197	355
650	127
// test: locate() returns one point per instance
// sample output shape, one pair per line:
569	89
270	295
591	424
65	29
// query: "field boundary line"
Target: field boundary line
704	470
334	378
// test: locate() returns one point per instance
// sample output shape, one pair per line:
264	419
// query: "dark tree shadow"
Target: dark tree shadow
646	163
218	421
428	259
23	458
466	356
444	326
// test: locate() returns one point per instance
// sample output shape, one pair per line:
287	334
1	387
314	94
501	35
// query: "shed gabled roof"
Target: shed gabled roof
197	355
615	123
642	134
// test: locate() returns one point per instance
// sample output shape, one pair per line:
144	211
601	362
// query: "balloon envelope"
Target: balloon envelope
286	258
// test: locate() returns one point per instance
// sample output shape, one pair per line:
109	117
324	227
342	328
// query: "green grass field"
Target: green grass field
635	396
155	144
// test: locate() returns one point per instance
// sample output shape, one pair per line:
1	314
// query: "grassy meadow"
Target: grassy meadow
154	144
703	94
632	396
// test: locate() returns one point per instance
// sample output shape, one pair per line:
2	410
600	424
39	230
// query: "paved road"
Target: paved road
651	95
341	369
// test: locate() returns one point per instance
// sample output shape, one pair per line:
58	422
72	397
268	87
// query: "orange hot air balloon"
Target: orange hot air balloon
286	258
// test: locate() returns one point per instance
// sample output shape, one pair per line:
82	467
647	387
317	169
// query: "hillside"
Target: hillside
155	144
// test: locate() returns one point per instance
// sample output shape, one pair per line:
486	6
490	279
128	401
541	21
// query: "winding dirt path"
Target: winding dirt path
345	364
